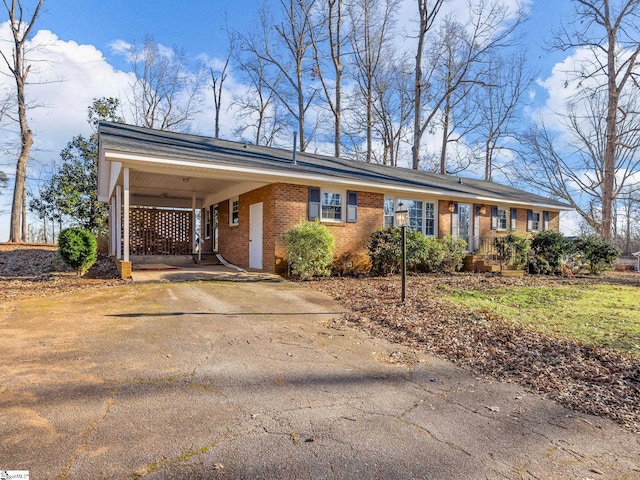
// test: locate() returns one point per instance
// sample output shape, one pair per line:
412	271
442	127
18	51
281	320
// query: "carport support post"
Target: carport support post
193	223
126	215
112	226
118	222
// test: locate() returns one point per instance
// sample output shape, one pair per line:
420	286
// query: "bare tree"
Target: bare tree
454	70
285	57
427	13
572	166
21	27
217	80
394	106
258	108
609	31
497	101
372	24
166	95
330	32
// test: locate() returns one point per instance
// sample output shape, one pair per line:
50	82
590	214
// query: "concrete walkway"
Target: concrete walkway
248	380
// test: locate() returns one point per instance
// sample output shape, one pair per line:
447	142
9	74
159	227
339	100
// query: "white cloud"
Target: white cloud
64	80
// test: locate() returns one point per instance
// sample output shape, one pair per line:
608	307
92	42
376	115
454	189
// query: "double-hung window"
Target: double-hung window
234	211
499	218
533	221
422	215
415	214
331	206
389	212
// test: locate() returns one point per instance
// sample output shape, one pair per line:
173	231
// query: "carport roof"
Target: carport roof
138	141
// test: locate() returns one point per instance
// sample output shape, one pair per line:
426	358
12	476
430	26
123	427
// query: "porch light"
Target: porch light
482	210
452	207
402	215
402	220
186	179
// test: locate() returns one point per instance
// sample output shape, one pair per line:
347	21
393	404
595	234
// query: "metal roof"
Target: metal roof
132	140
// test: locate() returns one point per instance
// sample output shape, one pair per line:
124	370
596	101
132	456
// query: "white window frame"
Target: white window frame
207	222
425	201
232	201
343	197
539	221
507	218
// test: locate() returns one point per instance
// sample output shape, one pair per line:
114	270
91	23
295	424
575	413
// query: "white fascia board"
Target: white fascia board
306	178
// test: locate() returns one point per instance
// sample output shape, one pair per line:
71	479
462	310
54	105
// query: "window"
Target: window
331	204
415	214
430	219
533	221
422	215
389	212
207	222
499	218
352	207
234	211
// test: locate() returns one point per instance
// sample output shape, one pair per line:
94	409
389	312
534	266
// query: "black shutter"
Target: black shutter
546	220
529	220
314	203
352	207
494	218
514	218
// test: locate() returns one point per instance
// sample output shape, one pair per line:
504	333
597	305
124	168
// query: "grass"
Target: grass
604	315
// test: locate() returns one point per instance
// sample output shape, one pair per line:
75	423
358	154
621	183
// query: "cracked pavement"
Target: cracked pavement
248	380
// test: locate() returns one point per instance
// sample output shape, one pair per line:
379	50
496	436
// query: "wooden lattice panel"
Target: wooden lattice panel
154	231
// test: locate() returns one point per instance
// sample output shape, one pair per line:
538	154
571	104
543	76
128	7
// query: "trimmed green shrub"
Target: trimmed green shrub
455	249
78	249
385	251
310	248
429	253
548	249
597	253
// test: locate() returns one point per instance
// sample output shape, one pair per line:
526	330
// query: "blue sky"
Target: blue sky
79	34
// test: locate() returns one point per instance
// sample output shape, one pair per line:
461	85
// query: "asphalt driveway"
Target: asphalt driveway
227	380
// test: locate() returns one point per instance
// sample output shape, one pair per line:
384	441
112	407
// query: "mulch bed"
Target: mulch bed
589	379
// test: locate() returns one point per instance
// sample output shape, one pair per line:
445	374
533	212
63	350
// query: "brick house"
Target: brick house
246	197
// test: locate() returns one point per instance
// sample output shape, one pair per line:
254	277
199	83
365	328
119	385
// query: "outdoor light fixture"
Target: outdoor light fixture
482	210
186	179
452	207
402	220
402	215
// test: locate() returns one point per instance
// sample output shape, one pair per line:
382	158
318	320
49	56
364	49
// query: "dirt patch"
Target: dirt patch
36	271
589	379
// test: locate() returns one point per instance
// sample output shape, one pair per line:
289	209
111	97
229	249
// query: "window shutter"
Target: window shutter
546	220
352	207
494	218
314	203
514	218
455	227
529	220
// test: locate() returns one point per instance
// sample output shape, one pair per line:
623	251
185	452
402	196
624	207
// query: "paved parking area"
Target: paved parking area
188	380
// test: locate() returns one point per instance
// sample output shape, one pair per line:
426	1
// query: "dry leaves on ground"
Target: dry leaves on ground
588	379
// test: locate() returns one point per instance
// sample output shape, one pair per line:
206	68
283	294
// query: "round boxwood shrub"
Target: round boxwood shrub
385	251
548	250
310	248
597	253
78	249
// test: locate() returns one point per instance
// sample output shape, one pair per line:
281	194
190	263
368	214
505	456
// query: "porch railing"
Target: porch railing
499	251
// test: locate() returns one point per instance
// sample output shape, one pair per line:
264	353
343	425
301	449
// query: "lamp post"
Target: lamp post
402	220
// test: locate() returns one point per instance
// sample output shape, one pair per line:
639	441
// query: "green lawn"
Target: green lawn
605	315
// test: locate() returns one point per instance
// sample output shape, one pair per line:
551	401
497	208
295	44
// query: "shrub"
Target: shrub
455	250
597	253
385	251
548	250
310	248
513	248
78	249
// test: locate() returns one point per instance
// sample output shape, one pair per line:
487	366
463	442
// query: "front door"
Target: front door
255	236
464	224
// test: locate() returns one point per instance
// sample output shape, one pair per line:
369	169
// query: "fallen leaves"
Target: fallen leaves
589	379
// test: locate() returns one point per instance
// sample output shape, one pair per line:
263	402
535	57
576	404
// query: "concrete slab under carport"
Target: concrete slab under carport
210	380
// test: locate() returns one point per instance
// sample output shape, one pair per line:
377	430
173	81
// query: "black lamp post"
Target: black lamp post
402	220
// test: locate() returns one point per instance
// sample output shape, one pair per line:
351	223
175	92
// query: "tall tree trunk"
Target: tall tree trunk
609	166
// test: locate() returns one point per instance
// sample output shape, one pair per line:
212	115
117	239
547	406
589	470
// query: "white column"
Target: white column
193	223
125	208
118	226
112	226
